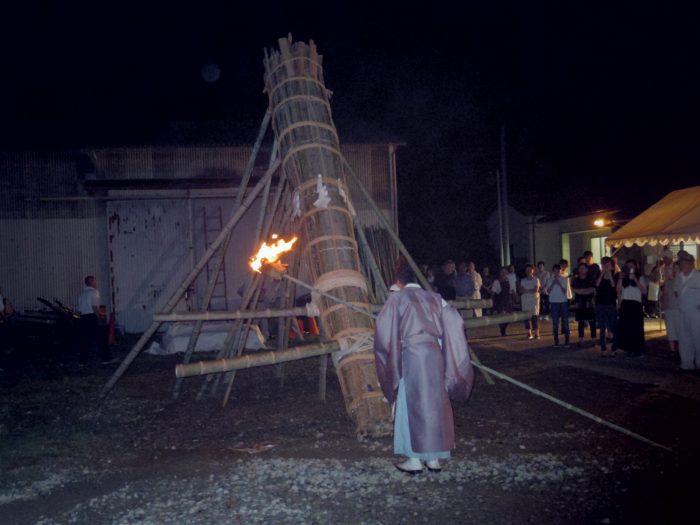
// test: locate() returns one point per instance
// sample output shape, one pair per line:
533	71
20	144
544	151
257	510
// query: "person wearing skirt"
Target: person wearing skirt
584	291
530	301
631	322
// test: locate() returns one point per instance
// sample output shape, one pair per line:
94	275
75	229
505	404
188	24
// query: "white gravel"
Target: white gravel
276	490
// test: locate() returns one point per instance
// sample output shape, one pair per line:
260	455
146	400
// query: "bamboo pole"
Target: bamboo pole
255	360
263	230
300	311
268	313
402	248
211	285
175	298
571	407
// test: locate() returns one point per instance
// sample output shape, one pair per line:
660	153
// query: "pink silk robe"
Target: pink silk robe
420	340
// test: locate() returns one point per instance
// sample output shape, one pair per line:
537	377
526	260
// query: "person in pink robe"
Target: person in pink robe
422	361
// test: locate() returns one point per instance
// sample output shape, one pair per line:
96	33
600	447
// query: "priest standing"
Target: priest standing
422	361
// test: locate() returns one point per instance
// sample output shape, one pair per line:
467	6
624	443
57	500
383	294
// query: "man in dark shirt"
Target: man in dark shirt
593	268
445	281
606	306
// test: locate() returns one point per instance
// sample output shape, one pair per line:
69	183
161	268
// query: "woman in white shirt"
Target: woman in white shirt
559	290
631	324
530	301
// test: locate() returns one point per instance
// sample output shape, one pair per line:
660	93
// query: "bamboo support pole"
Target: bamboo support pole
402	248
300	311
263	230
254	360
211	285
248	294
175	298
381	287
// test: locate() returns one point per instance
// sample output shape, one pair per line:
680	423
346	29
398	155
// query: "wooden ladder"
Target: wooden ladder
213	225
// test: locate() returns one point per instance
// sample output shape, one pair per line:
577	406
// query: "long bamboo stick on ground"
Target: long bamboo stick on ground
573	408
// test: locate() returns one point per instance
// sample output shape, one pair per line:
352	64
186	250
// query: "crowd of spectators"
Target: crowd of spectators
608	300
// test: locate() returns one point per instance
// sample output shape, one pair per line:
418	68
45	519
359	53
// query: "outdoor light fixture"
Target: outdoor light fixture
599	223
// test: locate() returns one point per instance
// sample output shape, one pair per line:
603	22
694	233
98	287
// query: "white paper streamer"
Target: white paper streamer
323	198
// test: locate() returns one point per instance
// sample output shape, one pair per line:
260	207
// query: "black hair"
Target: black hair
405	275
88	279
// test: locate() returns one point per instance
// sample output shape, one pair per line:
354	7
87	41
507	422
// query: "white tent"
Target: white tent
672	220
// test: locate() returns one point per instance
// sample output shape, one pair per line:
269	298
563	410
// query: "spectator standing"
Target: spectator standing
669	306
92	326
564	265
559	294
593	268
655	280
631	322
444	283
464	285
606	307
543	275
502	298
513	281
686	286
584	292
530	301
486	283
476	281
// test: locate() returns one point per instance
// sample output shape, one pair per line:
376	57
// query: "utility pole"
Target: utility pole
500	218
504	187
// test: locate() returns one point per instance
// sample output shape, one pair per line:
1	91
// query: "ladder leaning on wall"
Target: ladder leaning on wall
212	225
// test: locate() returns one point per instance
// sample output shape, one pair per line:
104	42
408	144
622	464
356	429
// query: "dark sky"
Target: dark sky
599	101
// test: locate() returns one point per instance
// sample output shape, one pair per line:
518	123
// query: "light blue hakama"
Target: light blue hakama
402	432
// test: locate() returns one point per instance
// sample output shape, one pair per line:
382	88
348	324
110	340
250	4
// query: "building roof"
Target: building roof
673	219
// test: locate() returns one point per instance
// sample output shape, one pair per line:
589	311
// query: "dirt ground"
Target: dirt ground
276	454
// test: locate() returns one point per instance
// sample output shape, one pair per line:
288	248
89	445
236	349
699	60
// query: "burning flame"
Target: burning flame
271	253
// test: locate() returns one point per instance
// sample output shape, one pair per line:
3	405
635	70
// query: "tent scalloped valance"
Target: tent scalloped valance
672	220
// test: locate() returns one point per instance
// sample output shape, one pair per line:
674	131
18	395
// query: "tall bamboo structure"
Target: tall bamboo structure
313	163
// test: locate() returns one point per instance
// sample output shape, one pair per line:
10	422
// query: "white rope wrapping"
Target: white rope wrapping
353	343
312	309
339	279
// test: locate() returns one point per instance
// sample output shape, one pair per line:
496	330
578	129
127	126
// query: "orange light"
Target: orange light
599	223
271	253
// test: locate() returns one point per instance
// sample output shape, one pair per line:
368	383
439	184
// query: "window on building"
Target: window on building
598	248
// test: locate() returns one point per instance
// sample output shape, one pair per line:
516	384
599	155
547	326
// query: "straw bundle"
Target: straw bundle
313	163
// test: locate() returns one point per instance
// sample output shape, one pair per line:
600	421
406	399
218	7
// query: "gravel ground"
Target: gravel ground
276	454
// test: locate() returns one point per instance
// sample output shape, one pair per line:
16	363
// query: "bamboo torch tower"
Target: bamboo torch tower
311	158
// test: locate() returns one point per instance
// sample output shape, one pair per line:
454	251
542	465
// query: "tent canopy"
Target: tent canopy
674	219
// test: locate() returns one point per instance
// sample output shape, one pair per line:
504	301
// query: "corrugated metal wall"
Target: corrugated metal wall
50	258
52	233
155	243
168	162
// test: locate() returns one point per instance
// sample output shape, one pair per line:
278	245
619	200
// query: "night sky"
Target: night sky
599	101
